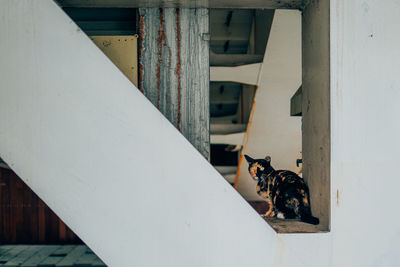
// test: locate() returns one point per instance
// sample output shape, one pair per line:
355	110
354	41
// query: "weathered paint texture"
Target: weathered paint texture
174	68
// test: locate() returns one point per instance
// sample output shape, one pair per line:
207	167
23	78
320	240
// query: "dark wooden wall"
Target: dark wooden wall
25	218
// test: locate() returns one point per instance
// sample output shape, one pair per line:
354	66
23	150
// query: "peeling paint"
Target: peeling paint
141	48
161	41
174	68
178	66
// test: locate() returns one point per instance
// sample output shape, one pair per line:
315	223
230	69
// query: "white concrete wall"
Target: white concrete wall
271	130
365	63
91	148
365	60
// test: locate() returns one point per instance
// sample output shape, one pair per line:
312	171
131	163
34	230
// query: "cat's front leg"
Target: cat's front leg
270	212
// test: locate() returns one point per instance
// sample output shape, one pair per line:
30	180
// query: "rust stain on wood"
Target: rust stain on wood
171	45
178	66
141	48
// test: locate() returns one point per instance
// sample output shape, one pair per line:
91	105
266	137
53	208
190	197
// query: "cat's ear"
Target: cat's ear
249	159
268	159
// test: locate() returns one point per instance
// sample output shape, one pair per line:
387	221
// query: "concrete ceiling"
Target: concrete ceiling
238	37
230	30
104	21
261	4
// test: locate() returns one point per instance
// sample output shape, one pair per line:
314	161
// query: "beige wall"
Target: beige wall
122	51
272	131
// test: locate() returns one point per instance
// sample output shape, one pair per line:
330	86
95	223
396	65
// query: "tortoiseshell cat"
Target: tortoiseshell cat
286	193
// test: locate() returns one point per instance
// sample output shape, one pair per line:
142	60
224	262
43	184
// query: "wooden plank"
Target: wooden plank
62	231
23	256
52	222
174	69
4	207
24	218
41	221
72	237
28	218
72	256
195	78
265	4
13	210
40	255
35	218
18	207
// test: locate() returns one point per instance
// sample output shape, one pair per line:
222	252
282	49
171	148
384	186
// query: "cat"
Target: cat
286	193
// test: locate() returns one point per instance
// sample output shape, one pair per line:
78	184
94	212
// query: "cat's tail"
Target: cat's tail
310	219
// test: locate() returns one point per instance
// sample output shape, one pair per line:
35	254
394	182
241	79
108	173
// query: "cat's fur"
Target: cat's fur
286	193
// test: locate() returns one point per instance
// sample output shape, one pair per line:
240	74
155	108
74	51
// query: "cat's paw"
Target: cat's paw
270	213
280	215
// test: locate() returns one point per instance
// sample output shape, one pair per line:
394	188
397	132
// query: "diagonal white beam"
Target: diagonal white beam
77	131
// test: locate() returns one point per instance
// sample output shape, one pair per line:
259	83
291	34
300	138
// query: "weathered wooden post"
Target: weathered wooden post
174	68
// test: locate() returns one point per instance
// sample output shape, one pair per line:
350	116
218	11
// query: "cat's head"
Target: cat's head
259	166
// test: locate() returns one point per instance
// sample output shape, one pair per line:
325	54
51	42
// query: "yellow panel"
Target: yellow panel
122	51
